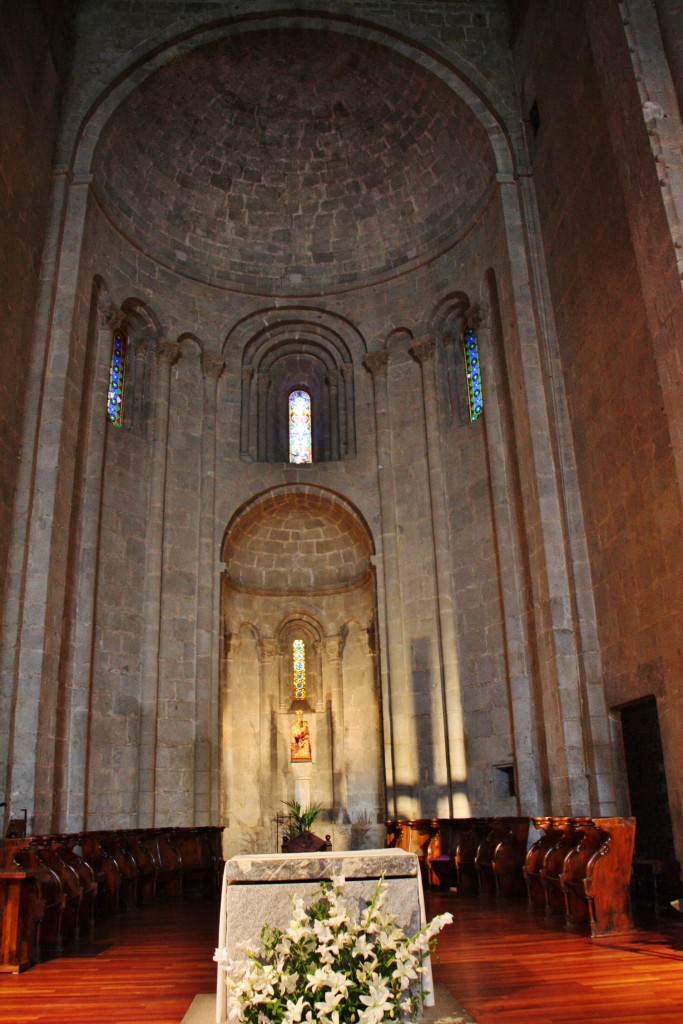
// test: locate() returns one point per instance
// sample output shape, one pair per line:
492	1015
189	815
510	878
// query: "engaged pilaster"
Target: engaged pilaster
167	353
455	766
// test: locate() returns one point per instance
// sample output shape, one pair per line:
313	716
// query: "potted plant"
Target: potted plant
302	817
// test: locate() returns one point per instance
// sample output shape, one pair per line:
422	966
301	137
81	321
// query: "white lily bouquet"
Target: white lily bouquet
329	967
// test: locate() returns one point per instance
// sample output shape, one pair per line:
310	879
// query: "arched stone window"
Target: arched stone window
299	669
300	429
117	377
277	367
475	393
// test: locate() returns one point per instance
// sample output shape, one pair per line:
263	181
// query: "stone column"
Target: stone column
332	381
263	387
206	696
133	411
232	643
551	596
78	670
325	414
269	683
367	640
452	341
347	373
245	411
531	769
453	730
166	355
399	732
36	580
333	684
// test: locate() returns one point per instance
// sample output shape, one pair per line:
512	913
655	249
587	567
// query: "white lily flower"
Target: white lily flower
288	983
362	947
329	1003
318	979
404	972
377	1002
294	1010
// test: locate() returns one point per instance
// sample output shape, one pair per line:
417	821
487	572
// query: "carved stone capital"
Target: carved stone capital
376	363
347	370
268	650
423	349
332	378
366	638
142	348
168	351
263	382
213	366
333	647
110	316
247	374
477	316
452	336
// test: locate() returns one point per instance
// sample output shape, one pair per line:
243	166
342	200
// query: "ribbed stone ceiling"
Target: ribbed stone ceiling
292	160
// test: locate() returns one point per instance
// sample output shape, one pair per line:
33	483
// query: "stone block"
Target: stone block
258	890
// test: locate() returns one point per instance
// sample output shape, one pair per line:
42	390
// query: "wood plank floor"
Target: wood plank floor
143	967
507	965
504	965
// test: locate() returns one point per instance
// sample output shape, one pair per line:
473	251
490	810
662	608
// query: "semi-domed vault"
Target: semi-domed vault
292	160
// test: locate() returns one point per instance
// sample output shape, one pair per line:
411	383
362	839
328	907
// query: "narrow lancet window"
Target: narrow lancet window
300	446
117	377
475	395
299	669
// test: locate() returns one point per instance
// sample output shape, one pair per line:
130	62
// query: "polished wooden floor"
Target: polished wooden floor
144	967
507	965
504	965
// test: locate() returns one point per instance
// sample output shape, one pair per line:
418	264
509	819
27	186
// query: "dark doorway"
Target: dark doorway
656	873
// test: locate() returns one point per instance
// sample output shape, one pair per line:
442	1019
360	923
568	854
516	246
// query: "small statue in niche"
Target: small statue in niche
301	739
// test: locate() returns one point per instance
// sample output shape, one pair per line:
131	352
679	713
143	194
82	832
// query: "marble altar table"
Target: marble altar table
258	890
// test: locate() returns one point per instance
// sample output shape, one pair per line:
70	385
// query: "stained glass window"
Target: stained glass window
299	669
300	446
117	377
475	395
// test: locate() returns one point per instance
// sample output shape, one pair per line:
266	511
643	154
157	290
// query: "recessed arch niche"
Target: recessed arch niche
298	565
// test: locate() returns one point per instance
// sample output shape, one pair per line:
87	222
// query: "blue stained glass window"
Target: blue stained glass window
475	394
300	445
299	669
117	378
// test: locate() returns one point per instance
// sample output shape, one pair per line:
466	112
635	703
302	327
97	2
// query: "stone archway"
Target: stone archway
298	567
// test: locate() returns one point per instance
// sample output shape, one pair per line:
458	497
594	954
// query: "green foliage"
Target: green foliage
303	817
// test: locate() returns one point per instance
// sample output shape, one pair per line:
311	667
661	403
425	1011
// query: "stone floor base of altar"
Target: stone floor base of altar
445	1011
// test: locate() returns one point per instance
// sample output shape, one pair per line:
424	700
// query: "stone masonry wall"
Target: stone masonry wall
159	495
616	297
35	45
199	310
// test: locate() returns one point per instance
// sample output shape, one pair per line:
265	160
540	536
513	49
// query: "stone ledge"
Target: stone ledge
266	867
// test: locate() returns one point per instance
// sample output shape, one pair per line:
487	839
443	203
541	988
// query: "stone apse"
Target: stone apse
260	200
298	567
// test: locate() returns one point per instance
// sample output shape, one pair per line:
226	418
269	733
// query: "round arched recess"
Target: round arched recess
298	568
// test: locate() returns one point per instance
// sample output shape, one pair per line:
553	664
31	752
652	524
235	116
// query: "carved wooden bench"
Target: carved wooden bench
597	874
50	886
